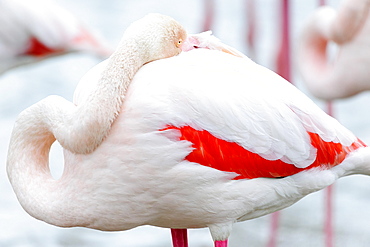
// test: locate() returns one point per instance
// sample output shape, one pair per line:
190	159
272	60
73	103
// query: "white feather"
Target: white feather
236	100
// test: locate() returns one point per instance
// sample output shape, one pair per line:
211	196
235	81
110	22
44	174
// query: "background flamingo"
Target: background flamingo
17	93
342	28
347	73
34	30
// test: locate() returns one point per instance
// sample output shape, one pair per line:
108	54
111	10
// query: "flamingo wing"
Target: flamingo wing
241	117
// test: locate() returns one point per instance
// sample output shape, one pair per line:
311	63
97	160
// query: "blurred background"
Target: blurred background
300	225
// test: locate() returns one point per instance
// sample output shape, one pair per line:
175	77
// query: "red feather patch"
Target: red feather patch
231	157
38	49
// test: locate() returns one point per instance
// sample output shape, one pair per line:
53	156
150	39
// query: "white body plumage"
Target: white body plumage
139	175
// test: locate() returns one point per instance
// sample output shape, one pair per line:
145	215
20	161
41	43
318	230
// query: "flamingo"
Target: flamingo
348	28
202	139
34	30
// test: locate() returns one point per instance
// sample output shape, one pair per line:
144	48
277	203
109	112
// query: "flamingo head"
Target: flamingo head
201	40
158	35
206	40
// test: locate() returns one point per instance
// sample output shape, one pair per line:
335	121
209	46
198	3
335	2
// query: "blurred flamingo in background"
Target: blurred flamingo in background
342	76
33	30
348	72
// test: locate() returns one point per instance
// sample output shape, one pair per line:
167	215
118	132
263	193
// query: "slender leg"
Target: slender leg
329	236
222	243
179	237
328	226
275	218
209	14
251	35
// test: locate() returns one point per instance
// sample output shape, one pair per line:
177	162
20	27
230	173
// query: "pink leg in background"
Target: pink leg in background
283	69
251	22
328	224
274	227
209	14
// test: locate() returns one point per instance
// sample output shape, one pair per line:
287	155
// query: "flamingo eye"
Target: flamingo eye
179	43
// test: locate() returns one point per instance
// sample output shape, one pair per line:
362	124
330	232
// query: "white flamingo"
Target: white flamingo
348	73
203	139
31	31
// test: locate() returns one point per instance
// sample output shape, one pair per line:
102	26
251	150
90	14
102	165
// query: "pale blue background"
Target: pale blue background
301	224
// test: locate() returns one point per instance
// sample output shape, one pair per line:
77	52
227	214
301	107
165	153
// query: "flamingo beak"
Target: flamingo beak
207	41
190	43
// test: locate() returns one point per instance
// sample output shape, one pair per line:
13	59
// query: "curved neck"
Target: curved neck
28	171
82	128
76	127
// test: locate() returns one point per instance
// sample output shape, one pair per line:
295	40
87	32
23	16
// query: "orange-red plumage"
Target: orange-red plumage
231	157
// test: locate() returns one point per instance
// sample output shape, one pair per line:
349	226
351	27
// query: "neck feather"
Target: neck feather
82	128
28	170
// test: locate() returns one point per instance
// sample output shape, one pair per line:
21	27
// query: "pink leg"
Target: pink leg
251	35
179	237
222	243
283	68
329	239
328	226
275	217
209	13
